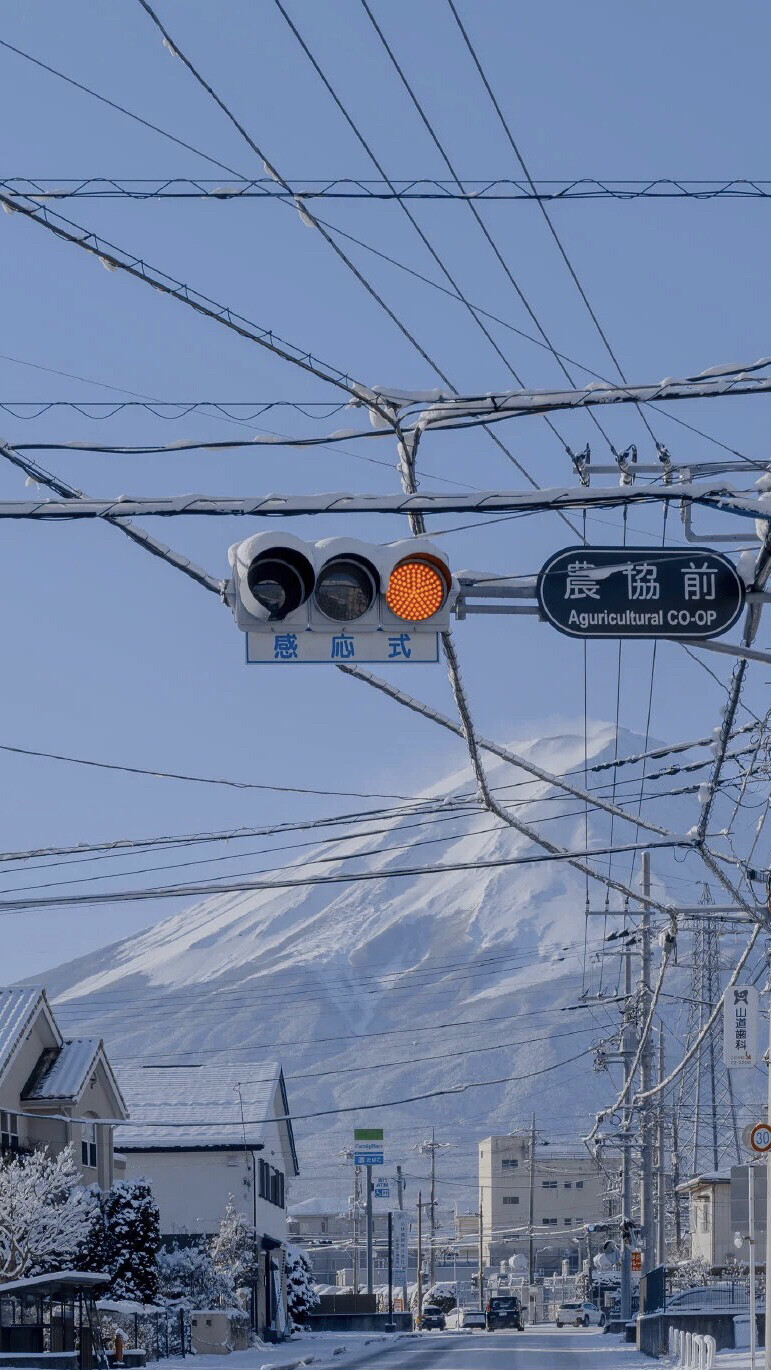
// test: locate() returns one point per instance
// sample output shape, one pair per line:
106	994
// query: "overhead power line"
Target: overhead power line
374	188
712	494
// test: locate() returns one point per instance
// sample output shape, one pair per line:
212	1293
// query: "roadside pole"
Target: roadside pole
356	1197
481	1263
661	1192
432	1215
767	1357
370	1267
390	1267
751	1230
400	1198
530	1208
646	1072
420	1259
627	1051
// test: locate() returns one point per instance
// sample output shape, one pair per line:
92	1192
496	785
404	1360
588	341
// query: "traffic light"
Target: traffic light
339	588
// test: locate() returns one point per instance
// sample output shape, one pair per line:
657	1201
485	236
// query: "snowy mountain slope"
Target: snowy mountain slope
381	989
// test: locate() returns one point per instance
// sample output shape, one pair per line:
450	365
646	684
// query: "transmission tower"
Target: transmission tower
708	1134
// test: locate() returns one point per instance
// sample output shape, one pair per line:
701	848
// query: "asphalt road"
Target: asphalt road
537	1348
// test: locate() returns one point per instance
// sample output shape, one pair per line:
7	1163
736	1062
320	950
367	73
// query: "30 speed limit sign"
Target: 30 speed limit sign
760	1137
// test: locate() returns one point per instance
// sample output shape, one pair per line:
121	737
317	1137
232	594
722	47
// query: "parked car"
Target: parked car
580	1315
473	1317
433	1317
504	1310
721	1294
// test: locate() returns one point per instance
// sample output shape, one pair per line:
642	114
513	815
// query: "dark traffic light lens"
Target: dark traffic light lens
277	585
345	589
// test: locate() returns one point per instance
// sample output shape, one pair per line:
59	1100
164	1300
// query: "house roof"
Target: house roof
17	1009
711	1177
62	1073
201	1106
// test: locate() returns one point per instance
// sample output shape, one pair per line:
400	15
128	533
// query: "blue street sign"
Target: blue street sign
640	592
369	1156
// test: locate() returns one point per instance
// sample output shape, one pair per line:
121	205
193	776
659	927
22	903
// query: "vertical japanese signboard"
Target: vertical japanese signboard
740	1027
400	1232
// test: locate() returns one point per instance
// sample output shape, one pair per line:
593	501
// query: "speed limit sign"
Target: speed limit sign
760	1137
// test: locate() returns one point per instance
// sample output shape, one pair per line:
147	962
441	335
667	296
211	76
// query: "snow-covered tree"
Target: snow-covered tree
187	1277
234	1250
301	1296
45	1213
124	1240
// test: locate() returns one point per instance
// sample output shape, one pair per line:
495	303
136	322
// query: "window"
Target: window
511	1198
579	1184
509	1163
548	1222
9	1131
88	1154
548	1184
263	1185
568	1222
568	1184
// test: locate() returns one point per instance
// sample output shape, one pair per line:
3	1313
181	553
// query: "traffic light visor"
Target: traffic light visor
278	582
417	588
346	587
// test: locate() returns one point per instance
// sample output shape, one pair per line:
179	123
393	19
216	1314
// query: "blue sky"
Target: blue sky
110	654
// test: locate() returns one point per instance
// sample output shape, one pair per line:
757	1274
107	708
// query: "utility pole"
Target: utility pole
481	1262
661	1192
356	1199
370	1266
420	1257
400	1200
767	1357
432	1215
531	1207
646	1073
627	1051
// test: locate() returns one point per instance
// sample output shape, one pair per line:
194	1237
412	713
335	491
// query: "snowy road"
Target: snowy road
537	1348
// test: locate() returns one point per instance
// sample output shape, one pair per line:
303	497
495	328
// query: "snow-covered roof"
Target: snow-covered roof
17	1009
62	1072
58	1279
192	1106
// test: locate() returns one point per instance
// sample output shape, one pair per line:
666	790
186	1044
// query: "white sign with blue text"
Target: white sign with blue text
289	648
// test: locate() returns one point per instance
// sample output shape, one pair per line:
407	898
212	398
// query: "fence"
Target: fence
159	1332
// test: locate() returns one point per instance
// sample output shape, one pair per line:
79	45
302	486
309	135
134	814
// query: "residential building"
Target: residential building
568	1192
204	1134
709	1220
55	1091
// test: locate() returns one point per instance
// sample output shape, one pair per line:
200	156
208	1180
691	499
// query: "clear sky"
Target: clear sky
110	654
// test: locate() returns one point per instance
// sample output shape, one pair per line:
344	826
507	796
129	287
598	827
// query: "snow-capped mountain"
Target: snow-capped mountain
399	986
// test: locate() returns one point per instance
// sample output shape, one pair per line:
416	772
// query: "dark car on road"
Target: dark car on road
433	1316
504	1310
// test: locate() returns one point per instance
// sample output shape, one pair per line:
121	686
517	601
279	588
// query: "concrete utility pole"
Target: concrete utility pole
647	1216
767	1357
531	1207
356	1199
661	1191
370	1264
432	1214
481	1261
420	1257
400	1200
627	1051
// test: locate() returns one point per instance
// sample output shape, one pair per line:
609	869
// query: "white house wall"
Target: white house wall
192	1188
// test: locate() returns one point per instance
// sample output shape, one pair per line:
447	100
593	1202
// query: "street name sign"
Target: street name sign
640	592
740	1027
314	647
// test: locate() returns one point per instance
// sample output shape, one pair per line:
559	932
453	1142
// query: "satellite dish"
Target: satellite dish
738	1240
517	1263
